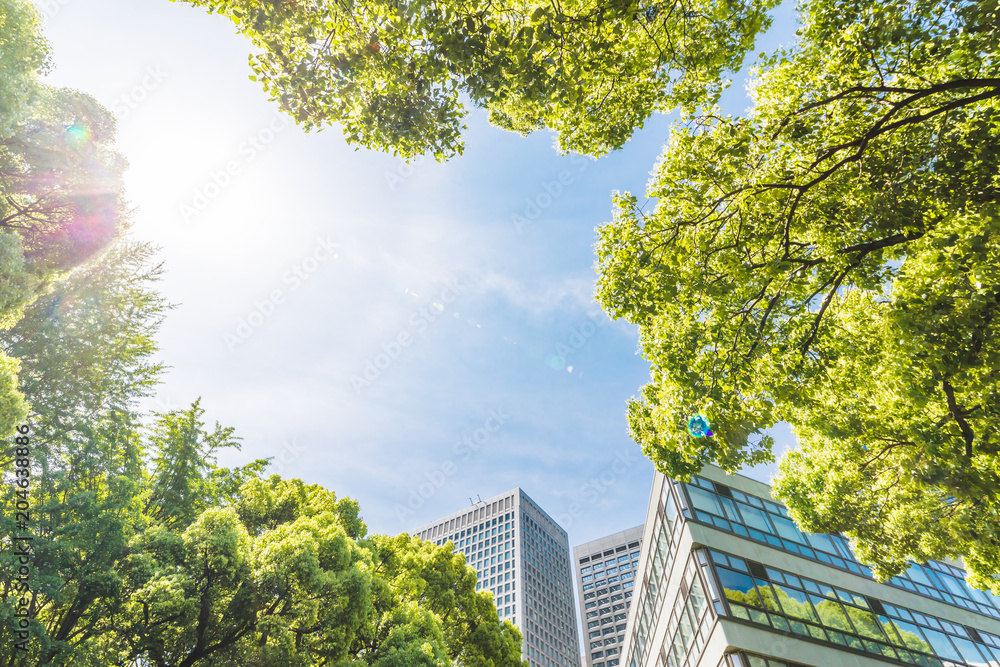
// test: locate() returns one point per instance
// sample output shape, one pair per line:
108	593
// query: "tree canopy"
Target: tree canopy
831	261
23	54
61	195
61	180
395	73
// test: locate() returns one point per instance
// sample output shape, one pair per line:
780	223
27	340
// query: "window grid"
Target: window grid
768	522
745	659
486	536
690	621
666	534
813	610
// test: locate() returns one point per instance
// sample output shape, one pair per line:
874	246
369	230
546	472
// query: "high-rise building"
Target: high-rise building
605	577
521	556
727	579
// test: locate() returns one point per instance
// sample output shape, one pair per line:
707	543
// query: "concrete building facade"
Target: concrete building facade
728	580
605	579
522	557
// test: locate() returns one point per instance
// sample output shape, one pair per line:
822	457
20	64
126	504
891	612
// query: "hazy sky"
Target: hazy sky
383	329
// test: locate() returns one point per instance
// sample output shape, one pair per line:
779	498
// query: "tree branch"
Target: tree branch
959	416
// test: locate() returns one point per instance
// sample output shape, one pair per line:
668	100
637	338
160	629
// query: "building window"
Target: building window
769	523
774	598
743	659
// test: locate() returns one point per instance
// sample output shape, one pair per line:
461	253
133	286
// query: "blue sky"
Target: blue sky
383	329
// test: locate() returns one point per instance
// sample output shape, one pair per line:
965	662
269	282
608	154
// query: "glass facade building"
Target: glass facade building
728	580
521	555
605	579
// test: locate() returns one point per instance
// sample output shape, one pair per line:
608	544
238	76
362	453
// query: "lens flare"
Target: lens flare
77	135
699	427
555	362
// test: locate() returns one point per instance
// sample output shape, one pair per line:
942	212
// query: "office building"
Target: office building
522	557
605	578
728	580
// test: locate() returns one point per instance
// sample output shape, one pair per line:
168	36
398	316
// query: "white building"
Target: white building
605	578
727	579
521	556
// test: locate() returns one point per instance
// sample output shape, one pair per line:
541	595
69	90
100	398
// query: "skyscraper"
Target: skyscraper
727	579
605	576
521	556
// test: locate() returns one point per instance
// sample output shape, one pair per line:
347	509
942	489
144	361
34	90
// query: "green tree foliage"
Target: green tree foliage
23	55
184	456
285	574
441	582
84	350
86	346
61	200
832	261
394	72
61	180
278	574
